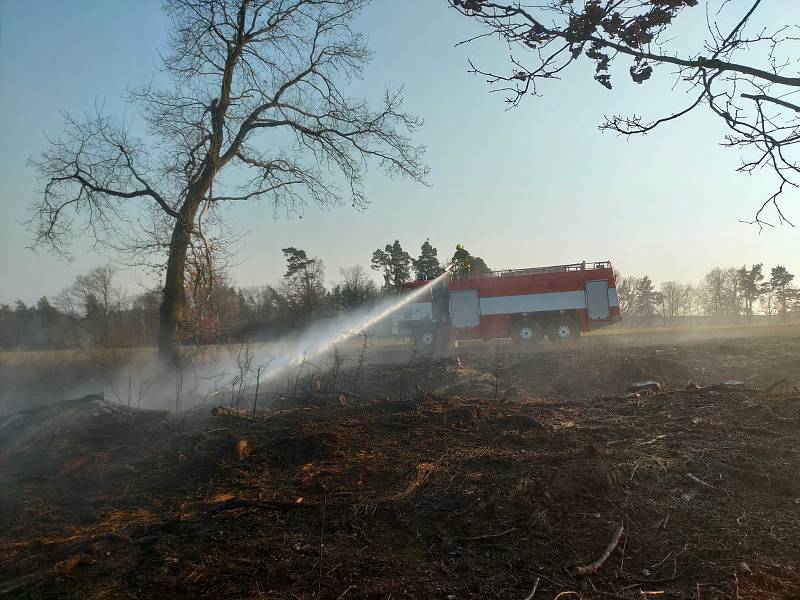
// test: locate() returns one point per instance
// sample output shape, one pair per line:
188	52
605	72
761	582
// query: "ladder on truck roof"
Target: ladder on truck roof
581	266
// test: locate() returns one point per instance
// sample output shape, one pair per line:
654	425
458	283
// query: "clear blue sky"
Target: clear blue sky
531	186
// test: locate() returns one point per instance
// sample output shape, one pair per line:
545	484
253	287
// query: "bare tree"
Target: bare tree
723	75
722	293
626	289
211	308
674	295
256	85
92	301
715	287
355	289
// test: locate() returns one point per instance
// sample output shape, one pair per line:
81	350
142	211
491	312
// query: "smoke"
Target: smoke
136	376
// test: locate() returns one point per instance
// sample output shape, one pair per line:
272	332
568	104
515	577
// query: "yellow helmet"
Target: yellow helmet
459	246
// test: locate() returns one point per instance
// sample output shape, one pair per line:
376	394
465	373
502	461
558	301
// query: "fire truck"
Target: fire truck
559	302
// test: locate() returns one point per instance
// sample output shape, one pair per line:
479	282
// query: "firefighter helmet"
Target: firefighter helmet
459	246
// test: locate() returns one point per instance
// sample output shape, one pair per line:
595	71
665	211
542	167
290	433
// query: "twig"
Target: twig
330	387
321	541
113	389
489	536
261	367
143	385
776	384
595	566
770	412
236	503
296	381
360	364
405	373
178	387
344	593
244	362
255	396
699	481
497	370
533	591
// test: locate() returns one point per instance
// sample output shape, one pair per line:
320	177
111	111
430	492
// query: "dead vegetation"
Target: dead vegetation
565	486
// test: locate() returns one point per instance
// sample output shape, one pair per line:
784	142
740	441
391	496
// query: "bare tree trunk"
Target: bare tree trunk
174	299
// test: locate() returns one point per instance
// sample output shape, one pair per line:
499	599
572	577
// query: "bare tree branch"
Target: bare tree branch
556	34
257	86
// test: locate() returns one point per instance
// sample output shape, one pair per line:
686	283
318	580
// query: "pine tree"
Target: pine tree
749	286
477	266
304	281
779	281
395	264
766	297
428	261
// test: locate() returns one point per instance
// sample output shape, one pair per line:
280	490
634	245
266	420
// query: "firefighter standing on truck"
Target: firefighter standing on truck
461	260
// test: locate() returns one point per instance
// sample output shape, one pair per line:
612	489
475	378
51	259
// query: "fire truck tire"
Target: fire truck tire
426	338
564	329
526	331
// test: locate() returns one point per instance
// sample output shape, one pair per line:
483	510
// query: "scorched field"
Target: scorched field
486	474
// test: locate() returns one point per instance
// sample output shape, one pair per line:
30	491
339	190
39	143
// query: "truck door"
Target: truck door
464	308
440	304
597	299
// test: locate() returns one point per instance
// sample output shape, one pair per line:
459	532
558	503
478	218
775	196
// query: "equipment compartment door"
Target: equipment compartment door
464	308
597	299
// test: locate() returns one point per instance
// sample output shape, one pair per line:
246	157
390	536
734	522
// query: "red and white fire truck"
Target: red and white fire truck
526	305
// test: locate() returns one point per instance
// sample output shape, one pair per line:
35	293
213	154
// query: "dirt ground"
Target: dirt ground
487	474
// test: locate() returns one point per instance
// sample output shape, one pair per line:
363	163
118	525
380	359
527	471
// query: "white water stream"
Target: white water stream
322	336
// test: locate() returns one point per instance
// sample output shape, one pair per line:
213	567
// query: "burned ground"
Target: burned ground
450	478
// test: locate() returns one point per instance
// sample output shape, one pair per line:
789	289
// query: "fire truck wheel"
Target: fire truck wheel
564	329
425	338
526	331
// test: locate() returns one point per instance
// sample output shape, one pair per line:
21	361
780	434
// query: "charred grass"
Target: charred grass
466	487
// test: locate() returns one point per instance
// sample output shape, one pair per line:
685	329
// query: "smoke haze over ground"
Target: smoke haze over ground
136	377
503	457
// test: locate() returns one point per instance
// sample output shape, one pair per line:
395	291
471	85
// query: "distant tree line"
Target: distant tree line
94	312
723	295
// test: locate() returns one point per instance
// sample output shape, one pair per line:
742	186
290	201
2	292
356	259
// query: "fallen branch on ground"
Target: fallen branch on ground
236	503
776	384
489	536
583	570
699	481
533	591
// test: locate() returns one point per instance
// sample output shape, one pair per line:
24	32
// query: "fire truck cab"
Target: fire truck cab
559	302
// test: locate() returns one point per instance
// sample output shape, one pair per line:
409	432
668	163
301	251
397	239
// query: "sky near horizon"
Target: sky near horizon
531	186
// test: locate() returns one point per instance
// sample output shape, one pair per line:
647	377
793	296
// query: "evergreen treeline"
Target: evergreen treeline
95	312
724	295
